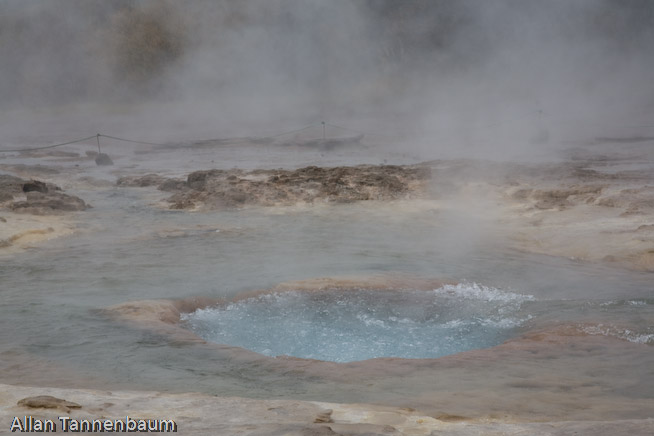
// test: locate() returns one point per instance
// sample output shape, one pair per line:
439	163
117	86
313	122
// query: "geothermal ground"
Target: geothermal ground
590	206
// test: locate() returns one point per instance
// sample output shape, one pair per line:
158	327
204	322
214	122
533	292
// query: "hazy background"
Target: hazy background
448	72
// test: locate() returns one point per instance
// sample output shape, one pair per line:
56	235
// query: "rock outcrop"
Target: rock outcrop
10	186
103	159
141	181
40	203
48	402
36	197
214	189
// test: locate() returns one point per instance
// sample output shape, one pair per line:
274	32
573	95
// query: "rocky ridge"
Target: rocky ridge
36	197
33	211
216	189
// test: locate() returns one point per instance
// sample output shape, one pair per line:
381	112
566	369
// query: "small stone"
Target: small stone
103	159
35	186
324	417
48	402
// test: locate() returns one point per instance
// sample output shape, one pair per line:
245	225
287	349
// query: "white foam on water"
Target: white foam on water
641	303
474	291
620	333
361	324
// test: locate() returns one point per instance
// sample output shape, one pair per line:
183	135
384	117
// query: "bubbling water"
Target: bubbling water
353	325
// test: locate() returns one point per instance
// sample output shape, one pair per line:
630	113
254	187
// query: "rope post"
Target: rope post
323	130
97	137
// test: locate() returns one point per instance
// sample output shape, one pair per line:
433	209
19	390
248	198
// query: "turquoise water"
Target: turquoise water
346	326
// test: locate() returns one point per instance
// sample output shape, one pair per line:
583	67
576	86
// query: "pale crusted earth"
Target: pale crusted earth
199	414
561	209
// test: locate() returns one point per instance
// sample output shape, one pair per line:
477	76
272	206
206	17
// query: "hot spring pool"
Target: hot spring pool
53	334
353	325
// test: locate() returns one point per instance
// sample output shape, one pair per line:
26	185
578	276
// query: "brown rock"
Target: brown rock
5	196
558	198
35	185
236	188
606	202
324	417
39	203
171	185
451	418
141	181
103	159
10	185
48	402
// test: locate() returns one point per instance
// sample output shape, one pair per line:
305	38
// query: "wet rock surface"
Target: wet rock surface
10	186
141	181
103	159
40	203
48	402
214	189
35	185
36	197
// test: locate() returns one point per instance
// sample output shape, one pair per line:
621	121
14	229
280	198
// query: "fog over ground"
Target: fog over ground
469	73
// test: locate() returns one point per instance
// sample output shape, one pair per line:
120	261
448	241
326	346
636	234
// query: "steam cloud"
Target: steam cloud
422	66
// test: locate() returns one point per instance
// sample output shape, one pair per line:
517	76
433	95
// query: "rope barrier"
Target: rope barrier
360	132
347	129
252	138
291	132
48	146
129	140
116	138
539	113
